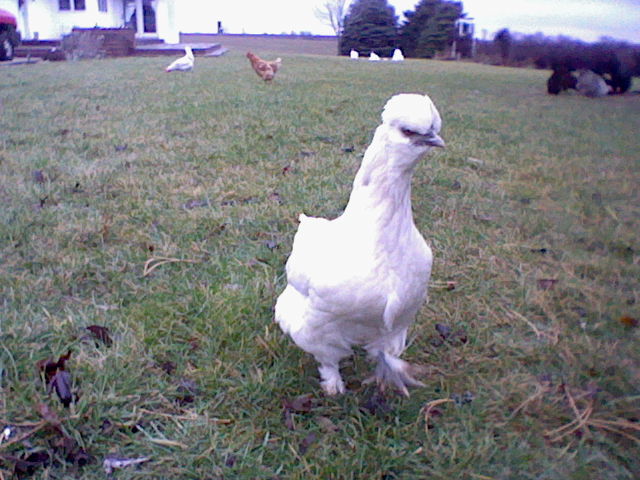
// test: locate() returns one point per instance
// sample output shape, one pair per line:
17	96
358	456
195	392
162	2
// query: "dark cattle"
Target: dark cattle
561	80
604	62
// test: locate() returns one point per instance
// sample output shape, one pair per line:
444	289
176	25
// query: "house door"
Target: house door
141	16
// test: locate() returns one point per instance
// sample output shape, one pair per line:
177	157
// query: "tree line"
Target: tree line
433	26
372	26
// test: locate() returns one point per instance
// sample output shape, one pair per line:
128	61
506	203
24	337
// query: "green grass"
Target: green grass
197	373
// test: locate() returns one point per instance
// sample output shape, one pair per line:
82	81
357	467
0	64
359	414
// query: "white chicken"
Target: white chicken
354	54
397	55
182	64
374	57
360	279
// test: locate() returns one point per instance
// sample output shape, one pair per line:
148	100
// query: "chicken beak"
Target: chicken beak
435	140
429	140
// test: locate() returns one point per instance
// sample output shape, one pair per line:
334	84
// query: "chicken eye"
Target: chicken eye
408	132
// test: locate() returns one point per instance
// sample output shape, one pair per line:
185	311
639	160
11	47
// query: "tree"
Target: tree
503	40
370	25
430	28
332	13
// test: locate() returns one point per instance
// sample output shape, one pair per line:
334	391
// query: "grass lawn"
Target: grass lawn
163	206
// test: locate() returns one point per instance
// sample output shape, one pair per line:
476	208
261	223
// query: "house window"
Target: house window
102	5
67	4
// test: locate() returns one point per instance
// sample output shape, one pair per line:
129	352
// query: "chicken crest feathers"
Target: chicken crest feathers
412	111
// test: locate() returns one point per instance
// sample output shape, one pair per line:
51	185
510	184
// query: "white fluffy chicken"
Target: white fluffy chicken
360	279
182	64
397	55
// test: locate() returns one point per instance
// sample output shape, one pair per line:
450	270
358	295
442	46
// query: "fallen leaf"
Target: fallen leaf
300	404
287	419
219	229
101	333
327	425
271	244
485	218
539	250
187	390
546	283
38	176
194	343
111	463
29	464
475	162
307	442
629	321
57	378
61	382
376	404
168	367
62	359
275	197
72	452
459	337
433	414
191	204
443	330
49	367
48	415
106	427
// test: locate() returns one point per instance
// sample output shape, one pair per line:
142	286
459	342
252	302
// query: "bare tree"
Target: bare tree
332	13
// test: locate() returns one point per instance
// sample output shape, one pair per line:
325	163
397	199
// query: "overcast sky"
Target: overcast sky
584	19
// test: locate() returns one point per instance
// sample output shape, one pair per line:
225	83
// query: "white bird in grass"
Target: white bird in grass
354	54
182	64
374	57
397	55
360	279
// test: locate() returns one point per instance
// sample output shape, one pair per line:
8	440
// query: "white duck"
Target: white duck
397	55
360	279
374	57
183	64
354	54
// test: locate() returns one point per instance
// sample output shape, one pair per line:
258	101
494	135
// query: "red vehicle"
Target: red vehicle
9	37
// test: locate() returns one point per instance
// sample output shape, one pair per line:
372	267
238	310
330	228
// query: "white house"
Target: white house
51	19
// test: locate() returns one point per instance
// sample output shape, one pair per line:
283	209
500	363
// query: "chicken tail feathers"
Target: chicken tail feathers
396	373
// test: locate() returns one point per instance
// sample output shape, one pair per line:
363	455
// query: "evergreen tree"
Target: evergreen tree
370	25
430	28
503	40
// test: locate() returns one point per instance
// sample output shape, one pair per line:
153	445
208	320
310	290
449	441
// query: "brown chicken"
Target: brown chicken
265	70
